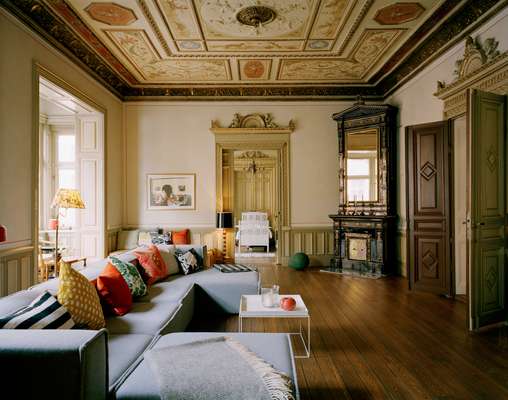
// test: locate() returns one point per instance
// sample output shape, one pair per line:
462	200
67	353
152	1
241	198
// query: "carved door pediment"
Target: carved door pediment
482	67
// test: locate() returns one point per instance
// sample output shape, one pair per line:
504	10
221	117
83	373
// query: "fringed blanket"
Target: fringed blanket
216	368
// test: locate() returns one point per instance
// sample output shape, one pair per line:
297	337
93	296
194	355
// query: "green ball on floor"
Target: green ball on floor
299	261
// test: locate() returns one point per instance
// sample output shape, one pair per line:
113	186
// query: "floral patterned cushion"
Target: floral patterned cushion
131	275
188	262
153	264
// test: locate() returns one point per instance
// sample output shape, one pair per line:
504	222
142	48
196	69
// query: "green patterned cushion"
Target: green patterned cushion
131	276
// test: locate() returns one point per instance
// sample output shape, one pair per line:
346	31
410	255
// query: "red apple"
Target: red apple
287	303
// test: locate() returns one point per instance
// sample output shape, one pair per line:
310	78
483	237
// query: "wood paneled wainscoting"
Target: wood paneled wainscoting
112	239
18	270
315	241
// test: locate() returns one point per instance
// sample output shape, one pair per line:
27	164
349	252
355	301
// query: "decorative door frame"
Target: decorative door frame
38	71
257	132
482	67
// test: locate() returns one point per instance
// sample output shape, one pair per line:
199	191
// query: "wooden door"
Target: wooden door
487	270
428	207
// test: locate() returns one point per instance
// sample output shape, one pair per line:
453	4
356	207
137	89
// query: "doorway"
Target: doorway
272	144
255	191
70	162
457	207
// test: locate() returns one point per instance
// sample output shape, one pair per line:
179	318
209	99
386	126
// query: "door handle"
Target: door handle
480	224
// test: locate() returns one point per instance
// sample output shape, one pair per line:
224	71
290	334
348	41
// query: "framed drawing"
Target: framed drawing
171	191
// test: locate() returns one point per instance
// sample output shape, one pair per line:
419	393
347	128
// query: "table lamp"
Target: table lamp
64	198
224	222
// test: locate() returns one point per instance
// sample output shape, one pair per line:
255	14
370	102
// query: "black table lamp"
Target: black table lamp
224	221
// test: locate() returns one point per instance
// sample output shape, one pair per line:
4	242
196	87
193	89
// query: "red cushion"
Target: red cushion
182	237
151	261
114	291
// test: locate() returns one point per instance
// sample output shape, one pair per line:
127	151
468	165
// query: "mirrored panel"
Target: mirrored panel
362	166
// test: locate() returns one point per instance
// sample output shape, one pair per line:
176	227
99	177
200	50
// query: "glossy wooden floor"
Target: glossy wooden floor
374	339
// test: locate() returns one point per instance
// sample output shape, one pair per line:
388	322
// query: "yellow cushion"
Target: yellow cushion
79	296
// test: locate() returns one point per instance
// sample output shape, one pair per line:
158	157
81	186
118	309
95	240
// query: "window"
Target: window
361	175
65	172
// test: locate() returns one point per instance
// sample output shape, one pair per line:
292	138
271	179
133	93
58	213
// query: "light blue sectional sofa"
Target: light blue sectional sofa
84	364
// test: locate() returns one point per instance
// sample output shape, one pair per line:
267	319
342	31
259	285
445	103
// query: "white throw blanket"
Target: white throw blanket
216	368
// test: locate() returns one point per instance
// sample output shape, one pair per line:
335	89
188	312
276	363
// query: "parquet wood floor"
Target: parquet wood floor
375	339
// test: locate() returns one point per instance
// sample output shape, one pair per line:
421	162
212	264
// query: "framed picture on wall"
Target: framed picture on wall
171	191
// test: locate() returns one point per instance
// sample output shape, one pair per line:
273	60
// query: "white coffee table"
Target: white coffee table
251	307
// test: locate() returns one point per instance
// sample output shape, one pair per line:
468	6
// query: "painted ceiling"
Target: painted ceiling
157	45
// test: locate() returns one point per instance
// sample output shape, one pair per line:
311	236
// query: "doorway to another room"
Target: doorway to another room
71	204
252	185
255	208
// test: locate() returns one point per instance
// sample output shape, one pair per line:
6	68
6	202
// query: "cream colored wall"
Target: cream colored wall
20	49
417	104
176	137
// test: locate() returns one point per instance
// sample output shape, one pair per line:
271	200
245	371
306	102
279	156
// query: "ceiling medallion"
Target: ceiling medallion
255	16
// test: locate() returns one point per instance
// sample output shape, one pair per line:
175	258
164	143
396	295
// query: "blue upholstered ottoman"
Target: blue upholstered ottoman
275	348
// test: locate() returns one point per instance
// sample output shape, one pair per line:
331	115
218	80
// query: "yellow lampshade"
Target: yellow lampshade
68	198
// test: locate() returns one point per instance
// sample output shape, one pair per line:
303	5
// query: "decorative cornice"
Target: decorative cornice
38	16
106	68
252	154
252	123
456	27
482	67
255	92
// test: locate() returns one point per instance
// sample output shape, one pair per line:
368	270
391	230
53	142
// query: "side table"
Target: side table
252	307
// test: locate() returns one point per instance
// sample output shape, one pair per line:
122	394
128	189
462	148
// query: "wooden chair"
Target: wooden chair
47	260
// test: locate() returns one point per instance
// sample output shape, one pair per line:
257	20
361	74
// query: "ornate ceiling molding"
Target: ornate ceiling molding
457	27
94	57
482	67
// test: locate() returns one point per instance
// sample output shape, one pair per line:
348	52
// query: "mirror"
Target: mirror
362	166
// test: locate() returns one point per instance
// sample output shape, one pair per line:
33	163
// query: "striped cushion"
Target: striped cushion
45	312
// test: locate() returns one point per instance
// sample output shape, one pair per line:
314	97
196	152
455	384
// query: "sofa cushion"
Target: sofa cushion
168	255
79	296
91	272
128	256
224	289
131	276
123	353
17	300
128	239
146	318
45	312
180	237
274	348
188	262
114	291
173	291
153	264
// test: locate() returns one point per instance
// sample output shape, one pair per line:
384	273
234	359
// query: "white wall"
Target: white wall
176	137
417	103
20	48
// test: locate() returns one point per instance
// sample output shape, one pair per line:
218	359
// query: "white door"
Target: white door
90	160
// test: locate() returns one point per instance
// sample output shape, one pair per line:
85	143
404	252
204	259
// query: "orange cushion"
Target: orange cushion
182	237
114	291
151	261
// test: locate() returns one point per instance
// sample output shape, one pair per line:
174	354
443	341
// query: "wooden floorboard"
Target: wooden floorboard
375	339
